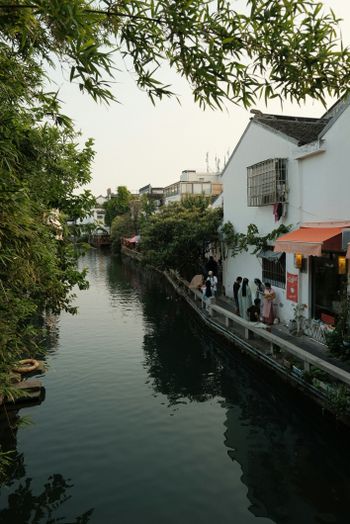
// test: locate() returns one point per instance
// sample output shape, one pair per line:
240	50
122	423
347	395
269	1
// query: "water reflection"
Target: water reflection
23	506
208	436
294	471
26	507
174	370
9	421
296	468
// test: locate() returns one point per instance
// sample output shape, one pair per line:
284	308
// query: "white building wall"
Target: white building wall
326	177
257	144
101	200
194	176
319	189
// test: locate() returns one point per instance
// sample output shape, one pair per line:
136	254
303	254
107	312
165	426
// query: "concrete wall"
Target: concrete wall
326	177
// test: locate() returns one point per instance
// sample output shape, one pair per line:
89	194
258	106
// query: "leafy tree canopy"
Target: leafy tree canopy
118	205
274	48
41	168
122	226
178	236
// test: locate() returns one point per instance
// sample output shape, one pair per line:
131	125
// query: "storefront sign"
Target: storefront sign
292	287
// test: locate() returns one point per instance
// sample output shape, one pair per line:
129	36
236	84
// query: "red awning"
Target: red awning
133	240
310	241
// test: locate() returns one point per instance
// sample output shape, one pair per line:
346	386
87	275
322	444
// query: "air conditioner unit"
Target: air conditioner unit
345	239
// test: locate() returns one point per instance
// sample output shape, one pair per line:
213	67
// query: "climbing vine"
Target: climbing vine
240	242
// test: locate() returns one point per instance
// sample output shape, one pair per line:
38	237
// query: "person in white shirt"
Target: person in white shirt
213	281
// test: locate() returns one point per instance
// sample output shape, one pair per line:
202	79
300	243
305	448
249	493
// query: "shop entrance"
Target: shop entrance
326	288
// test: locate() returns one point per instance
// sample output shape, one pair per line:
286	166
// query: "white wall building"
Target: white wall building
192	183
297	168
97	214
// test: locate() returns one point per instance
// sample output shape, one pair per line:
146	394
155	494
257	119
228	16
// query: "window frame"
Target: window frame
267	182
274	271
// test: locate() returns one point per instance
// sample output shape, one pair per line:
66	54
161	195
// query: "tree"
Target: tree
118	205
277	48
148	205
178	236
41	168
122	226
273	48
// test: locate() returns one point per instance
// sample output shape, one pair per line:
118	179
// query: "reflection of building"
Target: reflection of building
192	183
286	469
293	171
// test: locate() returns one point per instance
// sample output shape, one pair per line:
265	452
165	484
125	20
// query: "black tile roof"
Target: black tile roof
303	130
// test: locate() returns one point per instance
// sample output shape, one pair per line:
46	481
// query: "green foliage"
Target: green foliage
339	399
338	340
179	235
148	205
240	242
117	205
334	341
270	49
41	168
122	226
5	462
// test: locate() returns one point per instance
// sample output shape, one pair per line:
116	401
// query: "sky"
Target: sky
138	144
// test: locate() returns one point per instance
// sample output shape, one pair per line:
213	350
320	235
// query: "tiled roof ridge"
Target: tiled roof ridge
307	119
301	129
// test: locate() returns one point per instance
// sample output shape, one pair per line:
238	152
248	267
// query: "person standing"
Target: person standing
259	293
207	293
267	311
213	282
236	287
260	288
244	299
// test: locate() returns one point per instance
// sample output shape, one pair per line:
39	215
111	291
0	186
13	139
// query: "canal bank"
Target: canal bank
151	417
303	363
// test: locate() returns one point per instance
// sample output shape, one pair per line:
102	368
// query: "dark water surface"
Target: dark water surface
149	418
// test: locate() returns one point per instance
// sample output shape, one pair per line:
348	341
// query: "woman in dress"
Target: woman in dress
268	312
259	293
244	299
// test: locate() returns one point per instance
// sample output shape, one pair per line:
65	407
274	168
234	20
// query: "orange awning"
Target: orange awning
310	241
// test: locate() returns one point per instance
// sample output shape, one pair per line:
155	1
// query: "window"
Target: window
172	190
274	271
267	182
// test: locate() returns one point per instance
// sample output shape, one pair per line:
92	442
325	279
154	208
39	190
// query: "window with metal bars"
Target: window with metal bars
267	182
274	271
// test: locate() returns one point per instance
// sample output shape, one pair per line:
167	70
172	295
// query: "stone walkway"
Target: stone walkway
304	342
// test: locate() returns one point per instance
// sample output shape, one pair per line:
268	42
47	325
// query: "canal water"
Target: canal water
150	418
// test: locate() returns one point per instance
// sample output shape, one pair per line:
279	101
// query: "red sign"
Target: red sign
292	287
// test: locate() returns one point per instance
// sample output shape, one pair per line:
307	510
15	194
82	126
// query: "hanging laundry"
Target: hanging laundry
277	211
